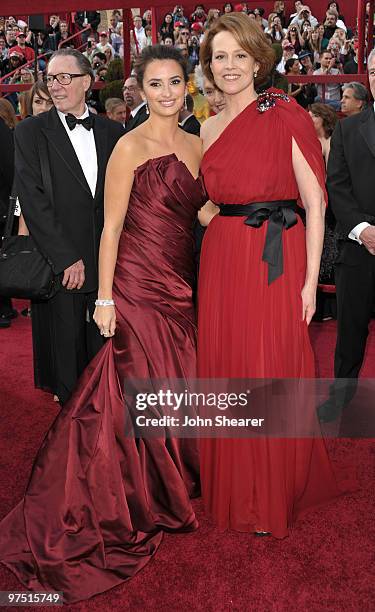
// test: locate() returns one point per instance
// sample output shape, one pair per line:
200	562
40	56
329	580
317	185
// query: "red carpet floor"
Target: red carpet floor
327	563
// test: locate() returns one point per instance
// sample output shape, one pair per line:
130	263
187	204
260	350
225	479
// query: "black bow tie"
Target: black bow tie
72	121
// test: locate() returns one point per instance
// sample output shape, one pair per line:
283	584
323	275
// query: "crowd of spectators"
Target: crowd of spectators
303	44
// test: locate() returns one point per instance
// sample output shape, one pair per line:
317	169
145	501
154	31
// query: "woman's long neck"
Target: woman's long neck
237	103
163	129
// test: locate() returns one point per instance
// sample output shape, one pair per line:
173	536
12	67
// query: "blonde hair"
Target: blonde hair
250	37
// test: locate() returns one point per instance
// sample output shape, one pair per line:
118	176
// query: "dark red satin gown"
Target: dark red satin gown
249	329
97	502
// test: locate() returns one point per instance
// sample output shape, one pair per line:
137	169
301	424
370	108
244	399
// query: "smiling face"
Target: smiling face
164	87
68	98
232	67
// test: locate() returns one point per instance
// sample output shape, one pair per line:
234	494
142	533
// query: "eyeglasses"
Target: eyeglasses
64	78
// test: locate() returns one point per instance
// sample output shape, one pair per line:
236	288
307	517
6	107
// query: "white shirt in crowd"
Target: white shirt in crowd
297	20
278	35
141	37
356	231
281	65
83	142
333	90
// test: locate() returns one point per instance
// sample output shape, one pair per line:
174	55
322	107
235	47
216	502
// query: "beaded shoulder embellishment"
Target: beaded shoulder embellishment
268	99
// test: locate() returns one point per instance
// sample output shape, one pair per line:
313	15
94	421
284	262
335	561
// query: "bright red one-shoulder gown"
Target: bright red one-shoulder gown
249	329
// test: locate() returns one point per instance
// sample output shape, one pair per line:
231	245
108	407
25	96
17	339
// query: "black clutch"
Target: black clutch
24	271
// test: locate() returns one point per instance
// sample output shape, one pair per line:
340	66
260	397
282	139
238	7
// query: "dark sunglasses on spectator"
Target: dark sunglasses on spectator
64	78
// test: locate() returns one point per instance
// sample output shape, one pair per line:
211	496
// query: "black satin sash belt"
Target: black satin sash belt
279	214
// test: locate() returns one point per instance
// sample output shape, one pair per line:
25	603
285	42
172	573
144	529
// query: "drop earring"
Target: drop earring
185	101
147	108
255	74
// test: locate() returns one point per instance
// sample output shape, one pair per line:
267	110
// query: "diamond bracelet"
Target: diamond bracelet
104	303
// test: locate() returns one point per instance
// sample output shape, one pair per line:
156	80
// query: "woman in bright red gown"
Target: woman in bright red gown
254	314
98	500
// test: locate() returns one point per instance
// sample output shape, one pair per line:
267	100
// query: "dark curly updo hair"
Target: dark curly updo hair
328	116
161	53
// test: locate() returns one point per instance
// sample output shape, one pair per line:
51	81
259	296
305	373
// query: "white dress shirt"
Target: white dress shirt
83	142
182	123
136	109
141	38
358	229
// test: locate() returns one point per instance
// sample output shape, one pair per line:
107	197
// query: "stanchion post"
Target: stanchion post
361	16
127	24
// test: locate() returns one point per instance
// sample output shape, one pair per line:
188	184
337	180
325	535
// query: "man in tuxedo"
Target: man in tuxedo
6	182
134	101
187	121
65	218
351	187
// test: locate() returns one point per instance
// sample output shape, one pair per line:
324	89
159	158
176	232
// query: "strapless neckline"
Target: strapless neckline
161	157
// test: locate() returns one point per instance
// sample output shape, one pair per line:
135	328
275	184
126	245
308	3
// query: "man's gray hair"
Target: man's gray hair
112	103
359	91
82	61
370	57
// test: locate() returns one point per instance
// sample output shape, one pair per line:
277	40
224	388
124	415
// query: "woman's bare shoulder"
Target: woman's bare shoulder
129	147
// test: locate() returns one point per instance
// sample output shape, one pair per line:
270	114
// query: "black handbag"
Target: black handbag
24	271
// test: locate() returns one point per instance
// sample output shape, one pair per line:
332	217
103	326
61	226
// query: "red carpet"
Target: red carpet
325	565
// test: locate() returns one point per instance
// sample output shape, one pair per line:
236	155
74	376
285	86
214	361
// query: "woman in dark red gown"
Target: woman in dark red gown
253	319
97	500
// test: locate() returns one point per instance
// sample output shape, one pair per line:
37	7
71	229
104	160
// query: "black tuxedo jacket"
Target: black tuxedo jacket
69	228
192	126
351	172
6	168
137	120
